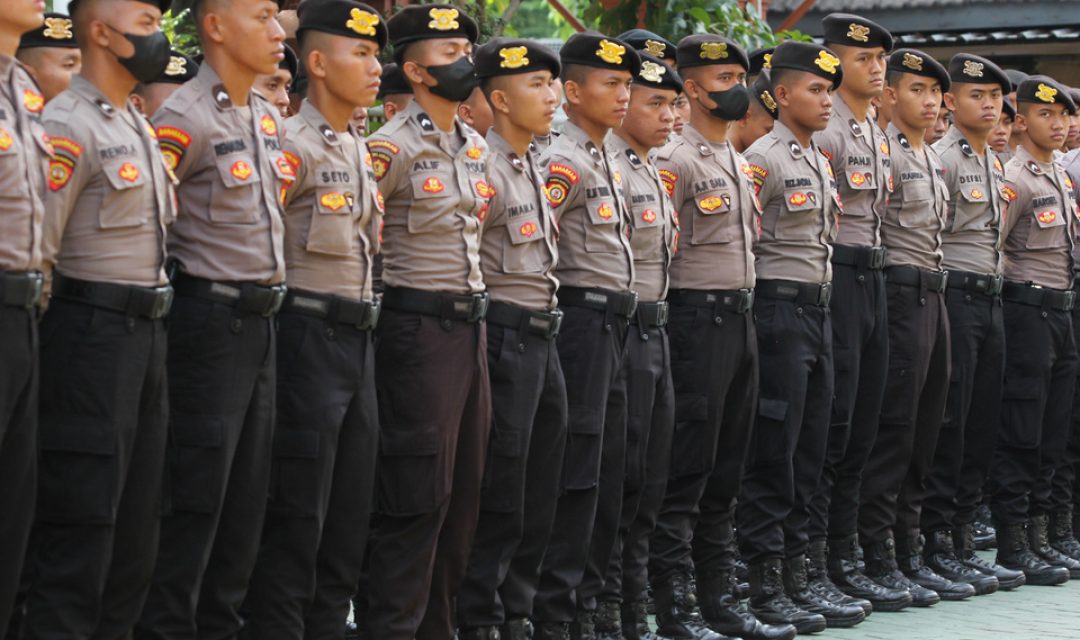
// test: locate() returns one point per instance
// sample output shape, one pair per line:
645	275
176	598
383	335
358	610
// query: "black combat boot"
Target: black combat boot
797	586
1039	539
584	625
984	532
516	629
964	537
479	633
881	567
722	612
818	575
771	605
1062	536
608	621
940	556
845	574
909	557
1014	553
676	611
551	631
635	622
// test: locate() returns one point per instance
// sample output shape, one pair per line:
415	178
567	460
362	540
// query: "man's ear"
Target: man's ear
950	101
139	103
572	92
780	92
1020	122
498	101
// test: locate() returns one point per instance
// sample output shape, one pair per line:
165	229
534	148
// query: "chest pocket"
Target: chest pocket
860	173
332	230
714	224
972	207
1047	224
601	228
128	198
800	214
235	197
525	252
434	202
647	235
917	208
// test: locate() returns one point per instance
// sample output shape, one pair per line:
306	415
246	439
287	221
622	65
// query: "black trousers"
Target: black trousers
972	420
714	371
434	415
1064	493
650	419
915	389
221	396
787	450
591	350
1040	373
18	446
860	362
102	449
521	478
321	481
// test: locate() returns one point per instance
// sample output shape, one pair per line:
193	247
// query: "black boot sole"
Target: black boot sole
802	628
1043	579
985	588
844	622
1015	583
891	606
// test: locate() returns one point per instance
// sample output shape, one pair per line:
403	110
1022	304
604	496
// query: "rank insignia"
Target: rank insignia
333	201
528	229
241	170
797	199
33	101
267	125
484	190
1047	217
649	216
605	211
433	185
128	172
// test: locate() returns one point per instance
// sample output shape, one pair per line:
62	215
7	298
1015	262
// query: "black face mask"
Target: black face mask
150	58
730	104
455	81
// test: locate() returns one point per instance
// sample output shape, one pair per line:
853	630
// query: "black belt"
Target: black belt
362	314
545	324
621	303
816	293
470	308
264	300
20	288
935	281
737	300
152	303
986	284
651	315
1036	296
865	257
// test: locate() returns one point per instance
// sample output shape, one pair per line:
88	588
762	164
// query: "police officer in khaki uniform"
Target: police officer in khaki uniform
918	374
518	255
972	254
800	212
24	163
326	435
595	273
148	97
224	143
395	92
51	54
645	41
1040	349
103	391
759	118
431	363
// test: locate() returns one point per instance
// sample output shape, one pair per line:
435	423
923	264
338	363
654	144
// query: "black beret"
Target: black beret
290	62
180	69
1045	90
428	21
808	57
160	4
342	18
650	43
1016	77
1008	108
593	49
1074	93
918	63
762	90
506	56
658	74
707	48
855	31
56	31
964	67
393	81
760	59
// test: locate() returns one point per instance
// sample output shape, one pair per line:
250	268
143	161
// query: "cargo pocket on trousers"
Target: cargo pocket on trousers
296	477
413	474
504	473
772	413
196	463
1021	422
693	447
581	464
77	474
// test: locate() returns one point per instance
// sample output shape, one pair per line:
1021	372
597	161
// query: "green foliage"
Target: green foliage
179	25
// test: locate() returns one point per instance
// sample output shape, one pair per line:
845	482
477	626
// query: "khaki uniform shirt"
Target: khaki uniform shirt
860	156
24	162
1071	164
333	211
1039	223
437	192
110	204
915	218
518	250
232	172
800	208
718	213
652	221
972	238
584	189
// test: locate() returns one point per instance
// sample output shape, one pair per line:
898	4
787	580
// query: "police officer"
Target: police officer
760	60
224	142
325	444
918	373
759	118
595	273
51	54
1040	351
859	155
149	96
645	41
713	350
650	412
395	92
24	163
103	392
1065	513
431	364
277	86
971	248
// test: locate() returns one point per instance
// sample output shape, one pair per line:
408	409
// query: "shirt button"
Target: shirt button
718	320
236	325
922	302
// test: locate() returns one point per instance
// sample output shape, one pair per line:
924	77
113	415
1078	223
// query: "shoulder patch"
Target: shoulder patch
292	159
33	101
1008	192
758	175
66	153
556	169
174	143
669	178
380	163
556	190
392	148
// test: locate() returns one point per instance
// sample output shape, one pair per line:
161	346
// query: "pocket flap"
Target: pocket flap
430	185
802	199
713	202
125	173
527	230
237	171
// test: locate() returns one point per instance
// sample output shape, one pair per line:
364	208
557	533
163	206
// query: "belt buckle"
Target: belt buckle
825	294
997	283
33	292
662	313
633	304
163	298
277	298
1070	300
556	323
479	307
746	300
877	257
374	309
943	283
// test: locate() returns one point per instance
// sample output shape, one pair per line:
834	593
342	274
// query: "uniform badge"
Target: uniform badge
481	215
605	211
380	163
177	66
1008	193
128	172
857	179
827	62
997	164
651	72
444	19
1034	167
884	147
484	190
668	178
474	153
611	52
285	167
556	190
654	48
6	141
1046	93
795	149
617	176
58	29
913	62
564	171
965	147
758	177
349	198
528	229
383	145
593	151
711	203
855	127
516	163
367	160
649	216
532	147
333	201
632	156
221	97
713	50
513	57
797	199
241	170
903	141
433	185
973	69
380	201
362	22
174	143
328	133
858	32
976	194
704	149
105	107
768	101
66	153
1047	217
890	184
425	122
267	125
33	101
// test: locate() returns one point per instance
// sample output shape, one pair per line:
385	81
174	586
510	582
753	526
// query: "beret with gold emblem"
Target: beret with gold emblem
704	49
1045	90
56	31
645	41
1016	76
180	69
760	59
657	74
761	89
1008	107
918	63
508	56
427	22
160	4
342	18
393	81
855	31
808	57
965	67
593	49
